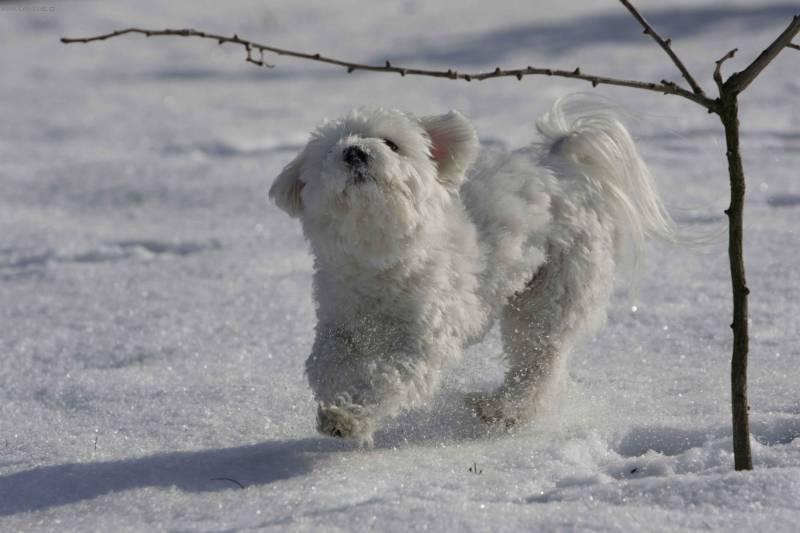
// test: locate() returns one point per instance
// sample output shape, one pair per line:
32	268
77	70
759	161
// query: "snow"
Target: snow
156	310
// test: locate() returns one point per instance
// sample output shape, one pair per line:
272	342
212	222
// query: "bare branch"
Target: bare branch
718	68
664	87
795	46
666	45
739	81
247	45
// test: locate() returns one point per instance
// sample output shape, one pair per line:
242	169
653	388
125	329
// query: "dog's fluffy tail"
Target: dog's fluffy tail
585	137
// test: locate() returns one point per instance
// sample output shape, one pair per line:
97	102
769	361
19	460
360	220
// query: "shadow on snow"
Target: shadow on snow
196	471
227	468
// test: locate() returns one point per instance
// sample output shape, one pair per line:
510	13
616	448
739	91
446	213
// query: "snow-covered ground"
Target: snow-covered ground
155	310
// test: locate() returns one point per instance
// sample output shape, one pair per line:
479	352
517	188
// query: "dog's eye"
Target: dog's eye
392	146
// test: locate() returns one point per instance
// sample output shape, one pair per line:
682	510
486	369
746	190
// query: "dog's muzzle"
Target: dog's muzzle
355	156
356	159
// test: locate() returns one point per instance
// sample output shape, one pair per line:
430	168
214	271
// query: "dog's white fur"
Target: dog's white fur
413	262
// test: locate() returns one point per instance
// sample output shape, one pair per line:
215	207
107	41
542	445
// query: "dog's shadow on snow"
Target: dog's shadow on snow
194	471
232	468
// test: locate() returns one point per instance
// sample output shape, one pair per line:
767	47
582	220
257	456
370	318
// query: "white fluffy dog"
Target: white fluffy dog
414	261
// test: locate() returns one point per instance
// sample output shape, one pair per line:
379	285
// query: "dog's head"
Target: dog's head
365	182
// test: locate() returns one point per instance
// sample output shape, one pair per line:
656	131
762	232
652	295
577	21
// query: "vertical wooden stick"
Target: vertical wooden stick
729	114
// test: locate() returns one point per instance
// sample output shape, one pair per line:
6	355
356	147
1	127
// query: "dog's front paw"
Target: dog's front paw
345	420
493	408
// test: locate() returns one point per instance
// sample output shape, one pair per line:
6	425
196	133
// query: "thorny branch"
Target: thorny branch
664	87
739	81
736	82
666	45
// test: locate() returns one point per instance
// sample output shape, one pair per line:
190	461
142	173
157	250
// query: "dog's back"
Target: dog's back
566	209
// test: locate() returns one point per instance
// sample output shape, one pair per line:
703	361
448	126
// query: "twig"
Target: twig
795	46
739	81
718	68
248	46
666	45
227	479
664	87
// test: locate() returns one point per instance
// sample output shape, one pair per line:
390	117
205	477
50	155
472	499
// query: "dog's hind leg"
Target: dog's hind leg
566	298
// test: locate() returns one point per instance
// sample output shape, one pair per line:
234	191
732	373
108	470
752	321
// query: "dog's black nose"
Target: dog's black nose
355	156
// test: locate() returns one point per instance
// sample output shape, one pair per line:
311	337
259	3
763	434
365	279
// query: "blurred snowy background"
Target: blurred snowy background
155	309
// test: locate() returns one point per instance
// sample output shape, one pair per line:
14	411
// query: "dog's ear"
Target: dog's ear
286	188
454	146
